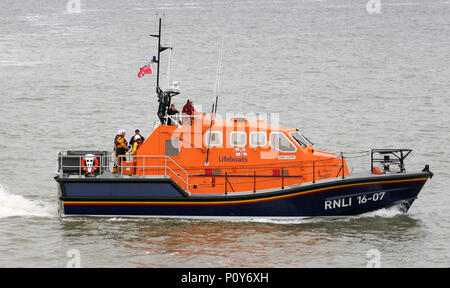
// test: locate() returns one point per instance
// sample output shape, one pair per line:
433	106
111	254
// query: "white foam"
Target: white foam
15	205
385	212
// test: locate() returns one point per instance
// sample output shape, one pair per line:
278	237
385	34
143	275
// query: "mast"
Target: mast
159	53
157	60
164	97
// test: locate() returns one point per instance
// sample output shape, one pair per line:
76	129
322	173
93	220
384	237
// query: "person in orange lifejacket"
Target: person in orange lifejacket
189	109
120	147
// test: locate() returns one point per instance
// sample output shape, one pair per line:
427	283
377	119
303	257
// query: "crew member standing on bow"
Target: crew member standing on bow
120	147
189	109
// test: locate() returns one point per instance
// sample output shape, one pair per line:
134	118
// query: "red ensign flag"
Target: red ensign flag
147	69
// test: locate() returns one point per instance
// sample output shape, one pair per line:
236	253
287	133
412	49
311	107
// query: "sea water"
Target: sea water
350	75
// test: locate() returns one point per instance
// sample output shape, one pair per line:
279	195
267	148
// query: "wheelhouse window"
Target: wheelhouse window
213	138
299	139
238	139
258	139
281	142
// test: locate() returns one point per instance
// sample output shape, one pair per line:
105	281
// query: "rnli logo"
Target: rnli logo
240	151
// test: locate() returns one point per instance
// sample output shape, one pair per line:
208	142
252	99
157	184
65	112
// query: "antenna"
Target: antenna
215	98
169	64
219	66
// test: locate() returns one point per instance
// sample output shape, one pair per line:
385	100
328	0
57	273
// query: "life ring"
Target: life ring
88	168
375	170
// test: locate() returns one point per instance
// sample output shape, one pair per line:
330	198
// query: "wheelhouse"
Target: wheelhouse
240	152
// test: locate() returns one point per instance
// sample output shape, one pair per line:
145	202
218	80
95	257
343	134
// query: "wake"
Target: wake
12	205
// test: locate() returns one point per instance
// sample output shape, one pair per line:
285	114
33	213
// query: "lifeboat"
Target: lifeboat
202	166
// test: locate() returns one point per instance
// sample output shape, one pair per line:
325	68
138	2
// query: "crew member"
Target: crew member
170	112
136	144
137	135
189	109
120	147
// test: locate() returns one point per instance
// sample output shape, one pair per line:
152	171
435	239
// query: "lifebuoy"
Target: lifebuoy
85	164
375	170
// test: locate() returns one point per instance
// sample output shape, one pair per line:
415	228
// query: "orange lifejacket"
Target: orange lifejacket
136	146
120	142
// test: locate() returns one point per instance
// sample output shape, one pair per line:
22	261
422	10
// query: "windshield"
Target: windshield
299	139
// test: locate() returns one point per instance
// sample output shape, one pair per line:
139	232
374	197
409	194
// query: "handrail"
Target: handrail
312	170
399	154
167	117
104	163
165	166
181	119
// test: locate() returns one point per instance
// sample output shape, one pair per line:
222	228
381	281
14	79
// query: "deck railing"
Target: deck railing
69	163
165	166
256	178
156	165
180	119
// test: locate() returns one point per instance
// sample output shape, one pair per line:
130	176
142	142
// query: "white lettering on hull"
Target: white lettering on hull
349	201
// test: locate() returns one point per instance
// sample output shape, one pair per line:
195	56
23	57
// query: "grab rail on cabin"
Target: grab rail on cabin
307	172
312	168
